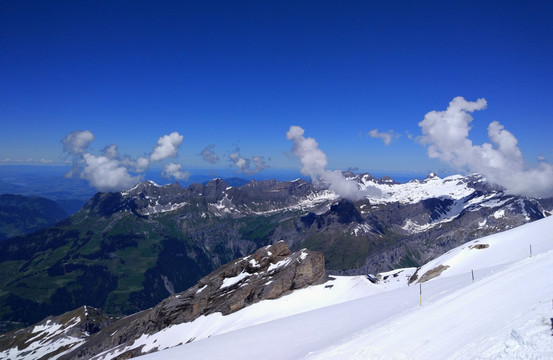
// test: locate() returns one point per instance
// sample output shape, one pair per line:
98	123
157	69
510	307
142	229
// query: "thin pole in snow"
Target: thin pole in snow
420	294
472	271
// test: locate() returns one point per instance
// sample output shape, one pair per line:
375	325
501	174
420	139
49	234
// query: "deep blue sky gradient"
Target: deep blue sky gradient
239	73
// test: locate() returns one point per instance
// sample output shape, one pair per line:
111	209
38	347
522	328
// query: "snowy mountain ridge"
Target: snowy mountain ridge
455	187
459	192
406	224
135	248
458	319
503	314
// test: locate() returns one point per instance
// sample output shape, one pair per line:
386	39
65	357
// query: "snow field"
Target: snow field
495	318
344	288
504	314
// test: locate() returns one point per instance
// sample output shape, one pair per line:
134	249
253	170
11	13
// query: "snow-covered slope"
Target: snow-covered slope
53	337
455	187
496	250
504	314
339	290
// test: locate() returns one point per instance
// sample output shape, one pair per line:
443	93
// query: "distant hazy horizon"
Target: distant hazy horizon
49	180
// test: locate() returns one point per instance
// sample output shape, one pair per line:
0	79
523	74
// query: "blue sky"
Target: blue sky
238	74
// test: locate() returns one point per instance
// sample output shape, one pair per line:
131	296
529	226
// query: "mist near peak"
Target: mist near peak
314	162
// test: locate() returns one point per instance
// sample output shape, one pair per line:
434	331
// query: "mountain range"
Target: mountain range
486	299
125	252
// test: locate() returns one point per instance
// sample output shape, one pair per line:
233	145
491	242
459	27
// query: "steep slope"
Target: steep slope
353	317
125	252
411	223
21	215
269	273
504	314
54	336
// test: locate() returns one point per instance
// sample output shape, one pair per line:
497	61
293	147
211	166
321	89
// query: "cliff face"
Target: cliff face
269	273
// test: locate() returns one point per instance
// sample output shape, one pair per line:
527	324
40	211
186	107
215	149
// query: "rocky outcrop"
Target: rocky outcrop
269	273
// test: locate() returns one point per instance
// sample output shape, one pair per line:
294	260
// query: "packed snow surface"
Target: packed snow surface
504	314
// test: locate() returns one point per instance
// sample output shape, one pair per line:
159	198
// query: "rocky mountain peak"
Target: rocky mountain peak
269	273
212	190
150	188
345	212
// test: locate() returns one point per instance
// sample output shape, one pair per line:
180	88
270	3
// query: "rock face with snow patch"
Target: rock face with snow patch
269	273
53	336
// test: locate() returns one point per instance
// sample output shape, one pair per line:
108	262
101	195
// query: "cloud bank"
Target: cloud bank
247	166
111	172
501	161
107	174
314	162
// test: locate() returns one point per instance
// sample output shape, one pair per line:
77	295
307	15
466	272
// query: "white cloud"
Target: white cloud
344	187
141	164
244	165
209	155
387	137
501	161
106	174
173	170
110	172
167	146
314	162
77	141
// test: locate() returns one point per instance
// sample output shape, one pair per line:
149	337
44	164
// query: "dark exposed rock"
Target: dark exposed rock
432	273
346	212
55	333
269	273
